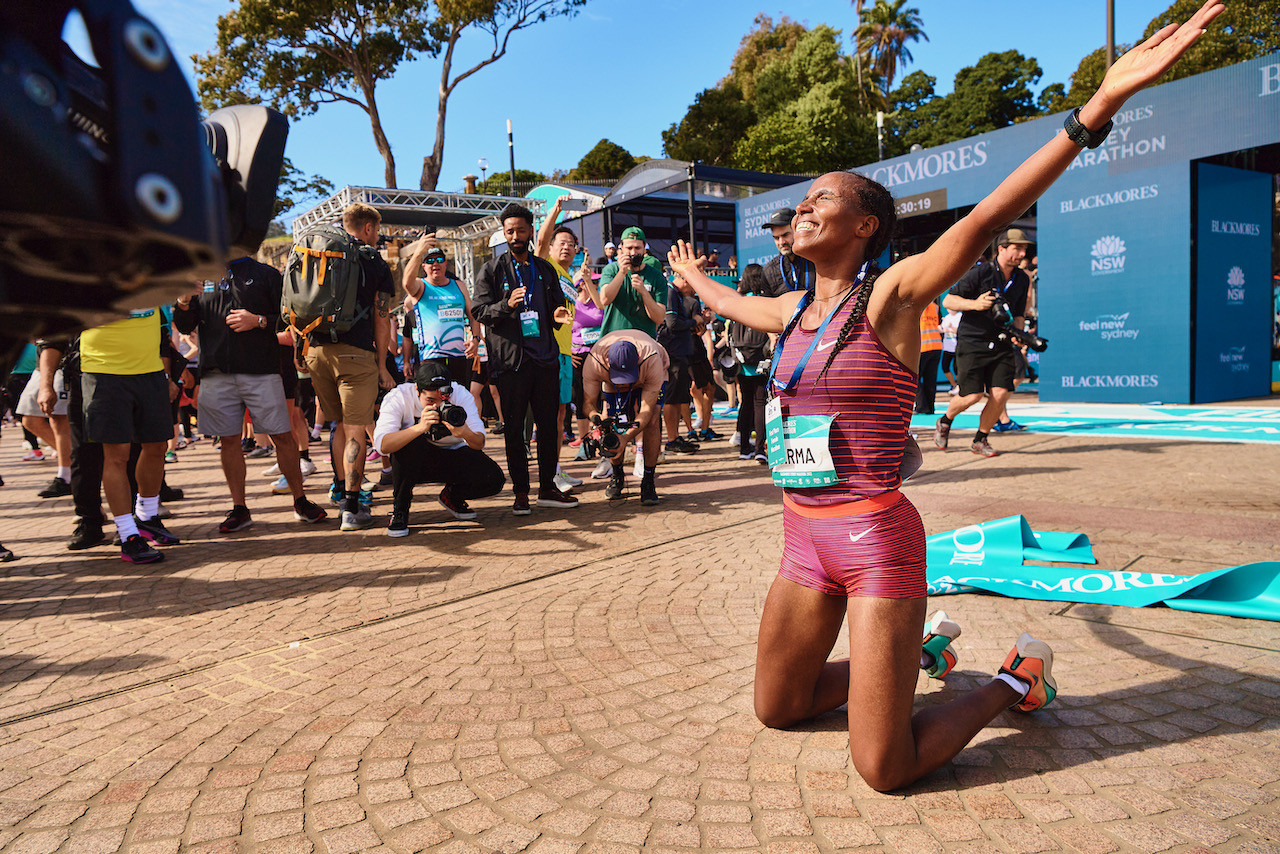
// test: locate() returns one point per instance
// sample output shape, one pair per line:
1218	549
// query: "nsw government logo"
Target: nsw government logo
1108	256
1235	286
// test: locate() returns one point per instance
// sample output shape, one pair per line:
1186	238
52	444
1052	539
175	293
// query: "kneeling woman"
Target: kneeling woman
844	386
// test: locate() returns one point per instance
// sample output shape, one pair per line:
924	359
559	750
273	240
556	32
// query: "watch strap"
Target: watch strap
1081	135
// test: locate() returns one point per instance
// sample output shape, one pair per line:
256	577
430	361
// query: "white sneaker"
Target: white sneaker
564	483
638	468
603	470
307	467
273	471
735	440
281	486
356	521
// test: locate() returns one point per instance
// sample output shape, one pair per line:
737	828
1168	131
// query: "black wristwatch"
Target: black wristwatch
1081	135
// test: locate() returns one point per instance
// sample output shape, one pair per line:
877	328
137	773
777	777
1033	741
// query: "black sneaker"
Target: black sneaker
260	452
399	524
86	536
137	550
553	497
169	493
616	485
237	520
681	446
649	493
7	555
306	510
57	488
155	531
458	507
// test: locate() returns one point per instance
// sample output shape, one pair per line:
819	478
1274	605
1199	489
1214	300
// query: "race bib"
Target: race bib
591	336
799	448
567	288
529	323
142	312
451	313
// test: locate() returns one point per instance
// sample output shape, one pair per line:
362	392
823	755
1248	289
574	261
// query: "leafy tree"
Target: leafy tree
499	183
299	54
994	93
606	160
1244	31
499	20
882	36
761	46
297	188
718	118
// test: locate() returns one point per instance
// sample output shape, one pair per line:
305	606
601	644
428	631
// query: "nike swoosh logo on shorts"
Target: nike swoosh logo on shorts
854	539
827	345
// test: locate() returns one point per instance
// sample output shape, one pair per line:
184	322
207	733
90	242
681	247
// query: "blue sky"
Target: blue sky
626	71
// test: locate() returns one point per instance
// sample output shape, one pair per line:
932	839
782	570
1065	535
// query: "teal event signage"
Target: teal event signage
989	557
1118	292
1183	423
1233	283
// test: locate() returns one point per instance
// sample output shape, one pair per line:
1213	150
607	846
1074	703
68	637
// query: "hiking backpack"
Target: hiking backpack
321	280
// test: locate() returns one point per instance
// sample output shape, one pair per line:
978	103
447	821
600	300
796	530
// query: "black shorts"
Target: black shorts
121	409
678	385
948	361
980	370
700	370
288	373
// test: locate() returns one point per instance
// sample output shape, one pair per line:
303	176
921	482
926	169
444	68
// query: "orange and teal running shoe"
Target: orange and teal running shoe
939	632
1031	661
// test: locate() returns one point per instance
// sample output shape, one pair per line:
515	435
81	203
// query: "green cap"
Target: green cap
633	233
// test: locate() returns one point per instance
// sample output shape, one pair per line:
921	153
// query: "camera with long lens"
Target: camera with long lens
452	415
1003	316
116	196
635	262
605	434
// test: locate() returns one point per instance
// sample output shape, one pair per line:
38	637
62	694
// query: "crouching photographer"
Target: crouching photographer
432	431
985	354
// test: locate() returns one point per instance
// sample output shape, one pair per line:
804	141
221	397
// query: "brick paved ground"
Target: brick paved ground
580	681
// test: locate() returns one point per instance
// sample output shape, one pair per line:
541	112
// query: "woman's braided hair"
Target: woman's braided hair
873	199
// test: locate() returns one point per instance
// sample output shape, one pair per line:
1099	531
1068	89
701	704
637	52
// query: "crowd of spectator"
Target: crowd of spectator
545	349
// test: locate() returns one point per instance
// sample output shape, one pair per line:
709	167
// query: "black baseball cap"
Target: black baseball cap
432	374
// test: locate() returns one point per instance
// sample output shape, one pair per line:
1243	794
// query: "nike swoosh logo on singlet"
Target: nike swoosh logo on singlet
854	539
826	346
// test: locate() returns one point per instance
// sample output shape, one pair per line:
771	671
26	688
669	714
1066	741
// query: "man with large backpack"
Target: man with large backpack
337	298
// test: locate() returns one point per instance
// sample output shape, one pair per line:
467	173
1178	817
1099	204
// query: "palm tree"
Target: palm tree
857	52
883	35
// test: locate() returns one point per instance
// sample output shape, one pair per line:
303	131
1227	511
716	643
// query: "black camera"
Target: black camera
635	261
1003	316
605	434
117	197
450	414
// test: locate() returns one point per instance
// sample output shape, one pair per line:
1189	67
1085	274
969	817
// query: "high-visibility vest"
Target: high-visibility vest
930	334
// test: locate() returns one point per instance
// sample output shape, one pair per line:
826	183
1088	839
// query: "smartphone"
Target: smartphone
570	204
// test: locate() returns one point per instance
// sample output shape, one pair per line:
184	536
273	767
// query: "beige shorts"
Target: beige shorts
345	379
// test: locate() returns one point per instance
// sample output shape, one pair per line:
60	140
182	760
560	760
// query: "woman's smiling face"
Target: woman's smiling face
830	217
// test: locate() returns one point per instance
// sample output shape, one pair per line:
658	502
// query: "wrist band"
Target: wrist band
1081	135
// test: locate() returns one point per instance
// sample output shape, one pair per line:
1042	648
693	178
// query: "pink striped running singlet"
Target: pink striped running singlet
871	396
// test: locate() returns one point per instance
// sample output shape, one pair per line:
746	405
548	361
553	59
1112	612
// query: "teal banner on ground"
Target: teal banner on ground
988	557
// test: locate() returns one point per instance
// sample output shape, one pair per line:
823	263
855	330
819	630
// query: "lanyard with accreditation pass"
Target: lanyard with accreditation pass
775	387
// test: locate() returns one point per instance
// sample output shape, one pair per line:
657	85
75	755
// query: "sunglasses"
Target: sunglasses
434	259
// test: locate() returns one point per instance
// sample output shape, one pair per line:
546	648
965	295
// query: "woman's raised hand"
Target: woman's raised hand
1143	65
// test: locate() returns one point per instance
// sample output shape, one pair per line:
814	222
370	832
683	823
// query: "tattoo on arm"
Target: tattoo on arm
383	304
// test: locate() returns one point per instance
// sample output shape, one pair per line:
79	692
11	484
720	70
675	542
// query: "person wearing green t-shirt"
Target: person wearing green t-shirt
633	293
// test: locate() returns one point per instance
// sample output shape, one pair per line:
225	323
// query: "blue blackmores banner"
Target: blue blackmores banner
1114	232
1233	283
